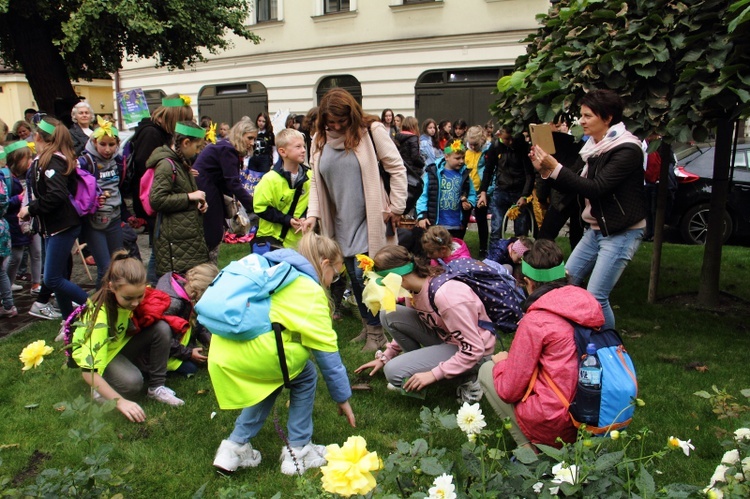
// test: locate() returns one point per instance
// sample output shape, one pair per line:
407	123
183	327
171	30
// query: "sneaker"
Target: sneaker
296	460
232	455
8	312
470	391
35	289
16	287
44	311
393	387
61	334
164	395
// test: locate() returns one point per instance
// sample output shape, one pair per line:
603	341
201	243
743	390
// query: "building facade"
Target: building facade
427	58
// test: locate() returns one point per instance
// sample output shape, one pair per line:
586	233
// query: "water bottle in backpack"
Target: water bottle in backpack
588	398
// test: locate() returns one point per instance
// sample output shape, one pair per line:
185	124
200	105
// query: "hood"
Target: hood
572	303
91	149
294	259
161	153
404	136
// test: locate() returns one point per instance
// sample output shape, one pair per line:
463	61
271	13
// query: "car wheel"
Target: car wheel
694	225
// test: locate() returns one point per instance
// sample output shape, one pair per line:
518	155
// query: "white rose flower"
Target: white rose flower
746	465
731	457
538	486
719	475
443	488
564	473
742	434
470	419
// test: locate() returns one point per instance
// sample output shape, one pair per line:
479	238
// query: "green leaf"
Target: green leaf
419	447
645	483
525	455
431	466
556	454
743	17
608	461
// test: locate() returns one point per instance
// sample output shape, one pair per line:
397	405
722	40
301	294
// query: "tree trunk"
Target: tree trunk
661	209
708	289
41	62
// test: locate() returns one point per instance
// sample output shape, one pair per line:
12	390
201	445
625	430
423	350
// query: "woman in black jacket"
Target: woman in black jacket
53	180
611	181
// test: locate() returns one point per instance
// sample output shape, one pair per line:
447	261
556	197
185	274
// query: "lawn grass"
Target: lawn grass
172	452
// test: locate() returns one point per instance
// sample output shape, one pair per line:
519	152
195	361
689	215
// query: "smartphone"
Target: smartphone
541	135
389	229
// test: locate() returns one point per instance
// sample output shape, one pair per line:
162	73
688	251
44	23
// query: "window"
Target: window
740	159
331	6
347	82
410	2
266	10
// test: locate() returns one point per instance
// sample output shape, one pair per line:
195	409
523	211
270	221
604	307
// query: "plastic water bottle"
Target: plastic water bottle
589	395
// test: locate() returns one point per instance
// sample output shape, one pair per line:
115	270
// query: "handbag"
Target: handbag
230	206
239	224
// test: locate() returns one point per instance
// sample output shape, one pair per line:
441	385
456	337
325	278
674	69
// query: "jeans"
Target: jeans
502	408
5	292
102	243
605	258
301	400
57	250
356	277
499	204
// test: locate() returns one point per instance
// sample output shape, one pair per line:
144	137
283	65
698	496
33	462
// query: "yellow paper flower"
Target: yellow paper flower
32	146
185	100
365	263
211	133
105	128
513	212
349	468
34	353
384	294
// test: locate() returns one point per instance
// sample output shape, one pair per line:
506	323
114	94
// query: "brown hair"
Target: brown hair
392	256
435	239
198	279
179	138
167	117
58	141
337	102
16	159
238	131
410	124
433	138
123	270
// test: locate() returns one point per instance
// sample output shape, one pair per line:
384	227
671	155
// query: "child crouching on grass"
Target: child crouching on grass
117	358
441	247
184	291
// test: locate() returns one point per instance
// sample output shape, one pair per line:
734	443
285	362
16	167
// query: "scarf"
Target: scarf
617	135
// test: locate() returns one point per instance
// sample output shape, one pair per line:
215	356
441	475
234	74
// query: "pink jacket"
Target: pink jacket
460	311
545	338
460	250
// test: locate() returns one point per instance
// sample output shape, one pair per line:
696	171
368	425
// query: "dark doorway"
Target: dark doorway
347	82
153	99
229	103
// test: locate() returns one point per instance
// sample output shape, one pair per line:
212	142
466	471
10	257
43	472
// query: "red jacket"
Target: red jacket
545	338
152	308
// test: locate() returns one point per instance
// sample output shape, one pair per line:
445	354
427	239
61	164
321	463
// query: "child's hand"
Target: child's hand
423	224
197	355
194	172
376	366
309	224
419	381
197	196
499	356
296	224
482	200
346	410
131	410
465	205
23	213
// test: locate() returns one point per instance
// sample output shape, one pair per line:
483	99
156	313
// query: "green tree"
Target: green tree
681	66
53	43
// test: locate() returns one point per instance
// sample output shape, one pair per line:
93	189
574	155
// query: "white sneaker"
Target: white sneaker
296	460
232	455
470	391
393	387
164	395
16	287
44	311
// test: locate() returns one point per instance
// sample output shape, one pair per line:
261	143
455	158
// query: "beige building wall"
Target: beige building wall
15	98
384	44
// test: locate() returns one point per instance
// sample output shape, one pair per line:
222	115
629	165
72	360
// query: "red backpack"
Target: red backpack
146	181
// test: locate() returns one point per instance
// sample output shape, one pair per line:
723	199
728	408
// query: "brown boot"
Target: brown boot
362	336
375	339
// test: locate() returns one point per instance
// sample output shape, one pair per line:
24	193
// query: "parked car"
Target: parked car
692	200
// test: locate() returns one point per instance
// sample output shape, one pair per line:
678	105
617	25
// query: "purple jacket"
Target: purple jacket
219	166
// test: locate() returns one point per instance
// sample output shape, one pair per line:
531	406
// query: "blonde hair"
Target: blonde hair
167	117
476	134
123	270
285	137
316	248
198	279
235	134
435	239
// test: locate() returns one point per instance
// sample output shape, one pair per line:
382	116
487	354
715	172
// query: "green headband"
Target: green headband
402	271
543	275
198	133
15	146
46	127
178	102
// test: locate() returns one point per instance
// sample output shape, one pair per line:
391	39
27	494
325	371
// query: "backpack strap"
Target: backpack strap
277	329
86	162
295	200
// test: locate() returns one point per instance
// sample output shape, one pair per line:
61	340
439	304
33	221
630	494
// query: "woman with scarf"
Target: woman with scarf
347	194
611	183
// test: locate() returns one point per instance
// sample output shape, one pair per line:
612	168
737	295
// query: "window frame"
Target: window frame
253	18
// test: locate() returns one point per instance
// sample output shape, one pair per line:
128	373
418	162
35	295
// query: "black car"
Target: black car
693	197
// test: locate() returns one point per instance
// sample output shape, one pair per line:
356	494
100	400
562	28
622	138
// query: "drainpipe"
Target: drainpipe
117	99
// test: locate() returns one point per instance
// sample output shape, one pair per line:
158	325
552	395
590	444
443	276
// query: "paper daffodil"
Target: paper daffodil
185	100
365	263
382	292
349	469
211	133
34	353
105	128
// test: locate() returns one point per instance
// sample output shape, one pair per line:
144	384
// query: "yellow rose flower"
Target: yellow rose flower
349	468
365	263
34	353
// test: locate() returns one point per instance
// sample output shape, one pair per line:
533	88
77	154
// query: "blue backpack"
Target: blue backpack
615	403
237	303
499	292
